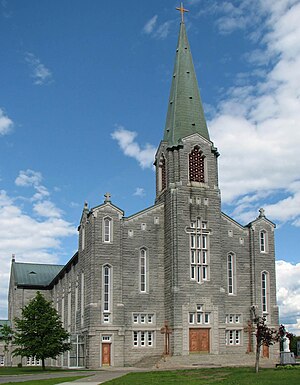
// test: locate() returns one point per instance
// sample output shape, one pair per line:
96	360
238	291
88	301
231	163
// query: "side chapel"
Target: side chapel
179	277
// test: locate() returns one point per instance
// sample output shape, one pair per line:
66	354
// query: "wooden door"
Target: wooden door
265	351
199	340
106	354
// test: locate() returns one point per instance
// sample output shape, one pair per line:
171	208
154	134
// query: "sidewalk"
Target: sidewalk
104	375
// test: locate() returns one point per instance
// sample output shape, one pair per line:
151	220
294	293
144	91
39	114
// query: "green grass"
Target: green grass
224	376
8	371
50	381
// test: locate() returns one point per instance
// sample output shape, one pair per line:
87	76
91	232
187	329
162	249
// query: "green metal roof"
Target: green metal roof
34	274
185	114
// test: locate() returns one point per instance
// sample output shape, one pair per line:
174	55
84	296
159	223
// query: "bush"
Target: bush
20	365
287	367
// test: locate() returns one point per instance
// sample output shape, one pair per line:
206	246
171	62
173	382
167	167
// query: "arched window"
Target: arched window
107	295
196	165
265	291
143	271
162	181
107	230
231	276
263	241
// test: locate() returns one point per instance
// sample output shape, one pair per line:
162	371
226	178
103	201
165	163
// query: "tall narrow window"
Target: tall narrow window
199	248
106	293
263	241
69	306
107	230
63	308
231	276
265	291
162	181
196	165
143	271
106	288
76	299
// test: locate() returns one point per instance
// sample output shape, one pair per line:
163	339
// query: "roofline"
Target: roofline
106	204
40	264
144	211
66	268
234	221
30	286
259	219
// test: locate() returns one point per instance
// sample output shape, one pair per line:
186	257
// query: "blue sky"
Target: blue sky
84	87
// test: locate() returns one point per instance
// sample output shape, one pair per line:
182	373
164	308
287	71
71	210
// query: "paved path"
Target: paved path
92	377
100	377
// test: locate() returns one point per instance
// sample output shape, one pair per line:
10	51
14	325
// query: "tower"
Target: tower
187	183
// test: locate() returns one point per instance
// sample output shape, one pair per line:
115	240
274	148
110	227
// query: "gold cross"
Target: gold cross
182	10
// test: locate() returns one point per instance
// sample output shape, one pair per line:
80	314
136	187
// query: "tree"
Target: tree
264	336
39	333
284	337
6	336
293	344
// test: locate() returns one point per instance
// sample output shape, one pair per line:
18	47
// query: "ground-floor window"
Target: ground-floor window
33	361
233	337
2	360
76	354
143	338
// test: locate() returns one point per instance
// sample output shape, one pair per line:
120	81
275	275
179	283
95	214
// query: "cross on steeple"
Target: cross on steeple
182	10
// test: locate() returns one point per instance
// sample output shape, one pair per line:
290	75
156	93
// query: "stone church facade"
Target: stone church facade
180	277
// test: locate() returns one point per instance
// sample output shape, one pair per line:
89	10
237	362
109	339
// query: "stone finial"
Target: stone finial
107	197
261	213
13	258
86	206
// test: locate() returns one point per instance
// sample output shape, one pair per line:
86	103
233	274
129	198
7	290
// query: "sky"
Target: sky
84	89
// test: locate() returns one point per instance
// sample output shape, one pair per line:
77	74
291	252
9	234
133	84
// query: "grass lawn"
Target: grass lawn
14	371
224	376
50	381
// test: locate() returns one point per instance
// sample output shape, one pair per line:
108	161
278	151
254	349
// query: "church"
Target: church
178	278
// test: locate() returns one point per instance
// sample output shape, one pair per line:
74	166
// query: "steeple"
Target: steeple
185	114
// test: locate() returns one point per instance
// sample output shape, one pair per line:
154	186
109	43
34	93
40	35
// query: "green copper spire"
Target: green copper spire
185	112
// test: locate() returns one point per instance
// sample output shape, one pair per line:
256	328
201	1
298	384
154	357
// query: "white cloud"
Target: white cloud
139	191
28	178
288	294
47	209
155	30
163	30
149	26
31	178
127	143
256	124
6	124
40	73
29	238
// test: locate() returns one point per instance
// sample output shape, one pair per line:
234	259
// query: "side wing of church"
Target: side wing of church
177	278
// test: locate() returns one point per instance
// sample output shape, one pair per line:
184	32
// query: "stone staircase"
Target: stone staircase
148	362
211	360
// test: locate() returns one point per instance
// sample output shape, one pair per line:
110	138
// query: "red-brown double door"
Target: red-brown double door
199	340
